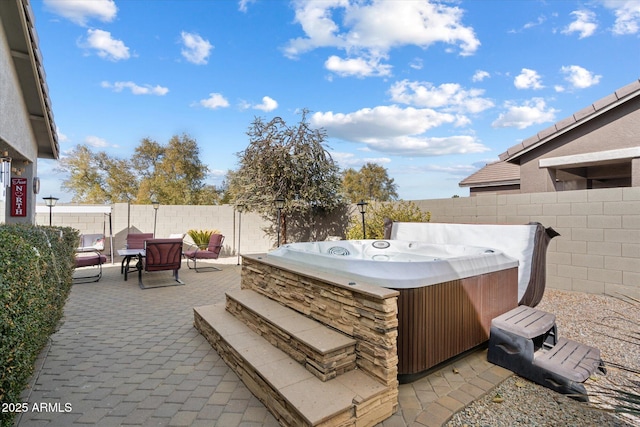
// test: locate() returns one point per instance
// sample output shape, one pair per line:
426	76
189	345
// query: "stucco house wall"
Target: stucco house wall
14	122
27	130
616	129
596	147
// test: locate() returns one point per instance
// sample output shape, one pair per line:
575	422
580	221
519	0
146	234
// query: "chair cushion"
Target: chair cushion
86	260
202	254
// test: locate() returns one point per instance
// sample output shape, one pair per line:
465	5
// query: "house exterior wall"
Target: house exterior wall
15	129
616	129
16	135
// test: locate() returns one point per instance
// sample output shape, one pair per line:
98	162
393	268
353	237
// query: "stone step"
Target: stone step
292	394
323	351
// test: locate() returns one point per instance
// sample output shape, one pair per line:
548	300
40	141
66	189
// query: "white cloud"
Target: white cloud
480	75
416	64
80	11
395	130
215	100
528	79
584	24
448	96
579	77
196	49
627	14
349	160
456	170
541	20
135	88
268	104
96	142
532	112
243	5
106	46
61	136
369	30
358	67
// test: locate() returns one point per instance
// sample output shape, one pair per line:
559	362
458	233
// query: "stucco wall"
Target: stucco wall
616	129
14	123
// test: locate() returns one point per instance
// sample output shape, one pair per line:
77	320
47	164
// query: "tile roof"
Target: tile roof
493	174
605	104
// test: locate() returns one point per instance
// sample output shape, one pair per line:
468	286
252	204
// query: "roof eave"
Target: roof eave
490	184
30	71
577	119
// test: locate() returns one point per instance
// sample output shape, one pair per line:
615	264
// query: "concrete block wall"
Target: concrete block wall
598	250
171	219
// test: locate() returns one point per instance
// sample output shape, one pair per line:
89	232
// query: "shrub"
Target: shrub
376	214
36	267
201	237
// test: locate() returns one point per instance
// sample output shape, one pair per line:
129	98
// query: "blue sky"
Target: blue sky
430	90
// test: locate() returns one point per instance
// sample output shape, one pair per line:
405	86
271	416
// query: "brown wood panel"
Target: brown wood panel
438	322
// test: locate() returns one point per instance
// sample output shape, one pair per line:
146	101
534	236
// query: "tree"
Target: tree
172	174
377	212
371	182
288	162
96	177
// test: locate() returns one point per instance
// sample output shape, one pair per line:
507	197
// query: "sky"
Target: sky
430	90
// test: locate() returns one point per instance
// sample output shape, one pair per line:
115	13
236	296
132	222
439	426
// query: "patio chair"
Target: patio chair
161	255
93	259
90	242
134	241
212	251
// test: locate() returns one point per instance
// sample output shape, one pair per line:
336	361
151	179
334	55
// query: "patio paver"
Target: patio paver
126	356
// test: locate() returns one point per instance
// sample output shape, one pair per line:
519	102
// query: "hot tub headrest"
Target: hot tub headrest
527	243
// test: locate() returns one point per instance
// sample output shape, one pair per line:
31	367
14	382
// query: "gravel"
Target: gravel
608	323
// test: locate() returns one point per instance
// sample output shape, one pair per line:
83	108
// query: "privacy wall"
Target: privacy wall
598	250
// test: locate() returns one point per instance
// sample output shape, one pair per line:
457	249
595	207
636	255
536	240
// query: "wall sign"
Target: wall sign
19	196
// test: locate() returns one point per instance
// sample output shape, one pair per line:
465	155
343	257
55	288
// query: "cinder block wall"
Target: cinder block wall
598	250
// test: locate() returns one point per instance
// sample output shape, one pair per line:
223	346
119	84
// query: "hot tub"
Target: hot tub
397	264
447	294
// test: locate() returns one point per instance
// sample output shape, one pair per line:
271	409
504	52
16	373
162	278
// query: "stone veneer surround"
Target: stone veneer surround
365	312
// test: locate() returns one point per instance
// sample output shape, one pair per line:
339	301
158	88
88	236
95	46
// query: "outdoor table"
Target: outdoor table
128	254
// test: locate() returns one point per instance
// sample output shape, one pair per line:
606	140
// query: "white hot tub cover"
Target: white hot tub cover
527	243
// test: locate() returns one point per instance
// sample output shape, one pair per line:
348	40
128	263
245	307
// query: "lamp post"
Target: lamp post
279	203
239	208
50	202
362	207
156	205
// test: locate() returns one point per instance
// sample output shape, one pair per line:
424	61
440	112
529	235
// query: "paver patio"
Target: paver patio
126	356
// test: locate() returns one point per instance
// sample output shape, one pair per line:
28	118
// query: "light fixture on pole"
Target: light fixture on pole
362	207
50	202
279	203
239	208
156	205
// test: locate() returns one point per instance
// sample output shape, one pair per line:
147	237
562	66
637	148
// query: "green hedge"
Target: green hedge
36	267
